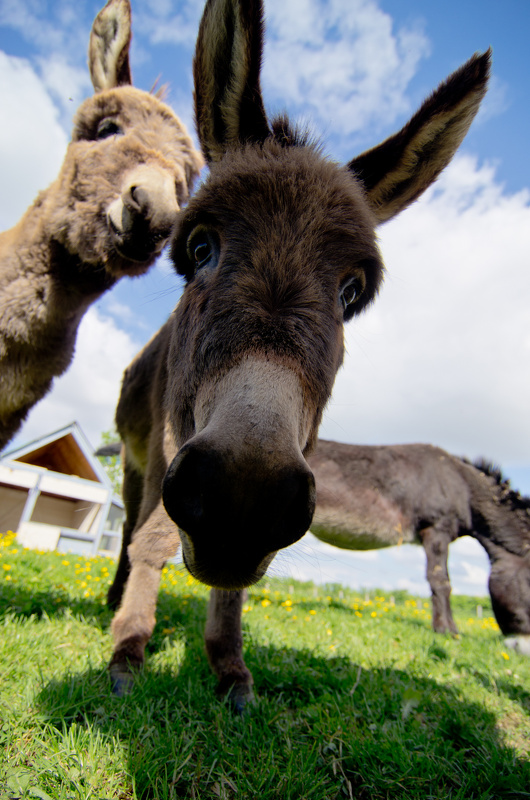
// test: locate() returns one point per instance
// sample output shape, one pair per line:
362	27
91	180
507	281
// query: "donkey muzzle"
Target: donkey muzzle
235	516
142	218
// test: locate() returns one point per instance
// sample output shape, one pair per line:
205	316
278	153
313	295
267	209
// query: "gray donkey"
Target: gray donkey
378	496
279	251
128	169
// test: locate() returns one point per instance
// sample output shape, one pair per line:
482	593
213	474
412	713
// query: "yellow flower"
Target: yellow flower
7	567
265	603
65	563
312	611
505	656
373	614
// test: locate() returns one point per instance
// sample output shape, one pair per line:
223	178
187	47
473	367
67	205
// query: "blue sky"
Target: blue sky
444	355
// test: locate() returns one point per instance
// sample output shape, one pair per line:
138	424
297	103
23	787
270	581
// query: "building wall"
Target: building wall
12	501
60	511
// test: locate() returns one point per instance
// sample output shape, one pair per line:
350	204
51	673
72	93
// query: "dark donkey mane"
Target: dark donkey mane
501	515
507	496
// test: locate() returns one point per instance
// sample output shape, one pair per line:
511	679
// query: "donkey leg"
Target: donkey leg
132	499
224	646
436	543
153	543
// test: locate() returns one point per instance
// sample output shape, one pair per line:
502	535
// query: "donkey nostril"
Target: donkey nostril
203	497
138	200
189	483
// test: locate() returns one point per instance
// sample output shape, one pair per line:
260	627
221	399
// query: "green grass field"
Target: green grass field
356	696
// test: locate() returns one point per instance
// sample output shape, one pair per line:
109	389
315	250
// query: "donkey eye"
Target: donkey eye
203	249
106	128
350	291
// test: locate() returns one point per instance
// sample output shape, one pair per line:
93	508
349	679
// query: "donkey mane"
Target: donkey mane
507	496
289	135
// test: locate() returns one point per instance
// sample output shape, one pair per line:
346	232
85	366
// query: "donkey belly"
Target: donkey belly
368	522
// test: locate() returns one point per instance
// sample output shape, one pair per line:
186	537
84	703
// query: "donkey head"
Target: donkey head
278	250
130	164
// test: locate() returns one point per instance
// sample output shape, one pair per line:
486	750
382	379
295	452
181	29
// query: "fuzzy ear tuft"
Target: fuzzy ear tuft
108	52
397	172
228	103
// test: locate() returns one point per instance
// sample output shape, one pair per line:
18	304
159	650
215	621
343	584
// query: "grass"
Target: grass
357	698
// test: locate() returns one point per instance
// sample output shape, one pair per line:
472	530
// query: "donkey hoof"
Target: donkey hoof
520	643
241	699
122	679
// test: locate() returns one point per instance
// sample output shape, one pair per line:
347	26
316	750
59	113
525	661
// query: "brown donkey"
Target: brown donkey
128	169
278	250
370	497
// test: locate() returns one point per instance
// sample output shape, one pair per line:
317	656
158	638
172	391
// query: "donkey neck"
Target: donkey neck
45	290
56	285
501	517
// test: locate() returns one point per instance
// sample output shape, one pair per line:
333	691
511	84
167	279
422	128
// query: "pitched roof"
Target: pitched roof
66	451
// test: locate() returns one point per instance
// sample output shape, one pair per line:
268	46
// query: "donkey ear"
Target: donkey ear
108	52
396	172
229	107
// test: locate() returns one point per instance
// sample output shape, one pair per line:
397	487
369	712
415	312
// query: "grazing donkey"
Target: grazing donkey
128	169
370	497
278	250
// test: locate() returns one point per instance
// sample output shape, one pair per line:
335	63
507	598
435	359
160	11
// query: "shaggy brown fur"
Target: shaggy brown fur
278	249
128	169
371	497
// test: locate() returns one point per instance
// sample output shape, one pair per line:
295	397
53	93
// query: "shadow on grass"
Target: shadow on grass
26	602
322	728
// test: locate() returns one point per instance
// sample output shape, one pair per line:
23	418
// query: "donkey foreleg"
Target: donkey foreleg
224	646
509	586
153	544
436	544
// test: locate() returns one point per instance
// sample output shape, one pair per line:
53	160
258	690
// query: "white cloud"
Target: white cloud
161	24
68	85
32	141
58	27
444	354
318	58
322	62
89	391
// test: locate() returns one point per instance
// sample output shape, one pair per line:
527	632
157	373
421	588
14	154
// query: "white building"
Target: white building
55	495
